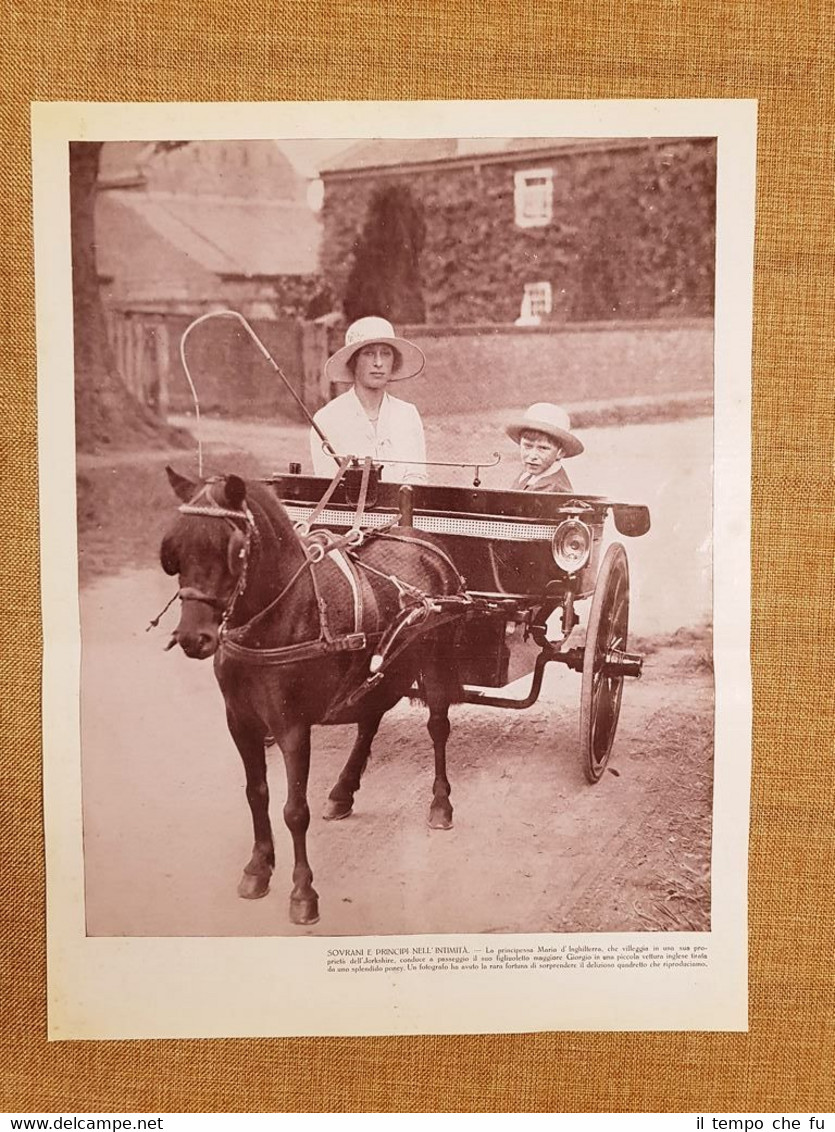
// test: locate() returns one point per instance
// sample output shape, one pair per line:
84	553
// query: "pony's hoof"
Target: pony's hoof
335	810
440	819
304	910
253	886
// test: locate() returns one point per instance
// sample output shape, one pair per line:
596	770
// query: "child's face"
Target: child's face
538	451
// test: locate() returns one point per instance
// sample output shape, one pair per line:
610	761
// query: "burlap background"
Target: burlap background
780	53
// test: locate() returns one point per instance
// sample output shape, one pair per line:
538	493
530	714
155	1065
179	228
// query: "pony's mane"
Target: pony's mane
266	498
266	505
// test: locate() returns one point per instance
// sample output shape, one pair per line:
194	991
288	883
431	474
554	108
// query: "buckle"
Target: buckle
354	642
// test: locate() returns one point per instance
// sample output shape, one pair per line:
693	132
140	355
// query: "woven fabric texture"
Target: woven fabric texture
780	53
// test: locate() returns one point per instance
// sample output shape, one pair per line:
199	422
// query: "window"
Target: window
536	302
533	197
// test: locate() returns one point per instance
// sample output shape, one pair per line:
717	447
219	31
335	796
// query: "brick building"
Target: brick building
536	230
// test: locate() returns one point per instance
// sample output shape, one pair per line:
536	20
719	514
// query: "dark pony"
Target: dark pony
304	630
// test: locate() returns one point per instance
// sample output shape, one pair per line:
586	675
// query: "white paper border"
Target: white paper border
141	988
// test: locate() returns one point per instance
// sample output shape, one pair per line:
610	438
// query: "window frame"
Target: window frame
525	188
540	290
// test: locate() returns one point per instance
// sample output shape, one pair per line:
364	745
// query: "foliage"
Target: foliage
107	415
385	277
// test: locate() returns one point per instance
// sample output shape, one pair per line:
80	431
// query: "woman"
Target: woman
367	420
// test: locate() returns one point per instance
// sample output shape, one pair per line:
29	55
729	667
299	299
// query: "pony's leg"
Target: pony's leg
437	700
295	746
340	801
255	881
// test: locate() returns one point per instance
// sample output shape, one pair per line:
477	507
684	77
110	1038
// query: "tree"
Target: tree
385	279
107	415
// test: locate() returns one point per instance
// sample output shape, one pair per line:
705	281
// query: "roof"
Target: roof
234	167
224	235
308	155
392	151
383	153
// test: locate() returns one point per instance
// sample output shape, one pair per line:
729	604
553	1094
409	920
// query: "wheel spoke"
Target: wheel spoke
606	631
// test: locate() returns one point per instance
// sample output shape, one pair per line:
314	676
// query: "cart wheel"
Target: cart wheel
607	629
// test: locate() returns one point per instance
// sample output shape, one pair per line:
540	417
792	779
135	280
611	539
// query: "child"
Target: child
545	439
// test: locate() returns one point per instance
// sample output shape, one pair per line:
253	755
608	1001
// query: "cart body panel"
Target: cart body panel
500	541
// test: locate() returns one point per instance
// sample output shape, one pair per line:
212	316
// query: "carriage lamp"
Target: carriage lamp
571	545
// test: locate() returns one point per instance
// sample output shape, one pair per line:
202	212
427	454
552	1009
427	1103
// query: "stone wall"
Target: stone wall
483	368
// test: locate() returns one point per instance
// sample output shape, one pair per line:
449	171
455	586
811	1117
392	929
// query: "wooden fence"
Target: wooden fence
230	374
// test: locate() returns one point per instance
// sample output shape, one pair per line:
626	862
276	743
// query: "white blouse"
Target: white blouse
393	440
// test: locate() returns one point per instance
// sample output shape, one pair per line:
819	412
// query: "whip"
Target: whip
266	354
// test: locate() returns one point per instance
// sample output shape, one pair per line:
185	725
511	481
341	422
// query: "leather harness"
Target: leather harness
419	611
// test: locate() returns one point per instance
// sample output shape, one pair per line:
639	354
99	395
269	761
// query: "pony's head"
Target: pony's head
206	549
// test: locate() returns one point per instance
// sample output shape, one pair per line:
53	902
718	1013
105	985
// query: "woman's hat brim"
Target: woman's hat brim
571	445
412	359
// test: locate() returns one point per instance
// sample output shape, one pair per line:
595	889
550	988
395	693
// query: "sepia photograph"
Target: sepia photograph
395	520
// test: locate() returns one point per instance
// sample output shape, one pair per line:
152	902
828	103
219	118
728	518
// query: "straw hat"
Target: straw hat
550	419
367	332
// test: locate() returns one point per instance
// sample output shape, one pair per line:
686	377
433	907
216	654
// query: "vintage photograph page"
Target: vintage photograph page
395	470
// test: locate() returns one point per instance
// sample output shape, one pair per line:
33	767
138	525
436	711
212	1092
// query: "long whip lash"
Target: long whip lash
266	354
326	444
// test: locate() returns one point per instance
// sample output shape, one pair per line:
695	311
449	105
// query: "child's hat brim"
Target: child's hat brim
550	420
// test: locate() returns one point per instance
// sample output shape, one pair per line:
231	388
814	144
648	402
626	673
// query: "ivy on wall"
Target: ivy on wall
631	237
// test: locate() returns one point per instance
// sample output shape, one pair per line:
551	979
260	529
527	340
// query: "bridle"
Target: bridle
238	548
315	545
310	545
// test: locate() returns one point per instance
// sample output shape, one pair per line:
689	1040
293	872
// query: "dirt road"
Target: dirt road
533	848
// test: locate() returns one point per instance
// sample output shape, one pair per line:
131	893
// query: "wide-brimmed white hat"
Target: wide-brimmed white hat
366	332
552	420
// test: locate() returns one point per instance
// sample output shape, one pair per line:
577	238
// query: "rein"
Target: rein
232	518
314	549
415	604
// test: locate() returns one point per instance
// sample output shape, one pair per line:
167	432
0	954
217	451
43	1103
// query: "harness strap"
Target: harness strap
217	512
324	628
344	461
405	589
360	512
401	636
239	630
292	654
349	571
189	593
